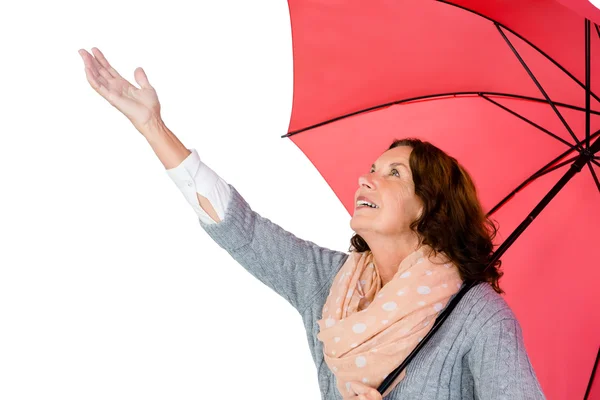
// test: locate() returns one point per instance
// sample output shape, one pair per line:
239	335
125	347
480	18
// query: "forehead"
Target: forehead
397	154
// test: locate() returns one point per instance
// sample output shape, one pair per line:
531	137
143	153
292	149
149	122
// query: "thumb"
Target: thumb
141	78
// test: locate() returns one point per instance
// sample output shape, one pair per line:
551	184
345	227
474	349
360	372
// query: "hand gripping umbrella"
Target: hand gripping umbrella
509	88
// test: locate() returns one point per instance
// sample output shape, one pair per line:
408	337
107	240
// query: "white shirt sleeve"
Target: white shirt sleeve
192	176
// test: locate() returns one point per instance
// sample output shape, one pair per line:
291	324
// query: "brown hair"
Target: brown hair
453	221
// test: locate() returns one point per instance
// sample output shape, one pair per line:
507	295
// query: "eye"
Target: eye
392	170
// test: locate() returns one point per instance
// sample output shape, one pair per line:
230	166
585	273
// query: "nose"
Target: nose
366	180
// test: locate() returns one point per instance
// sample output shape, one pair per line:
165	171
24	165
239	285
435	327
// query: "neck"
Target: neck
388	253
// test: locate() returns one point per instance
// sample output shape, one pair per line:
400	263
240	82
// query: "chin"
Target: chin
356	224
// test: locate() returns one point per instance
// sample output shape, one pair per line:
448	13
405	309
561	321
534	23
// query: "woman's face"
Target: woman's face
389	185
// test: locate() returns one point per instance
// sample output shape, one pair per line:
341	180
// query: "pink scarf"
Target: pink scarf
368	330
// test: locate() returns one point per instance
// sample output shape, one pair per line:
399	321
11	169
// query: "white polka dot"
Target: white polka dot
339	310
348	386
389	306
349	293
404	331
363	282
425	323
367	303
359	328
333	353
423	290
335	369
336	339
365	380
458	285
361	361
444	285
447	265
329	322
438	306
326	309
428	272
338	300
405	275
374	351
353	345
420	339
380	295
421	303
385	321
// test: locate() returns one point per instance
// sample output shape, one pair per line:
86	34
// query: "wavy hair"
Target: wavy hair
452	221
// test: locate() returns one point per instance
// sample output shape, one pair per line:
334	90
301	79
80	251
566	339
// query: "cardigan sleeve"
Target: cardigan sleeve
500	365
294	268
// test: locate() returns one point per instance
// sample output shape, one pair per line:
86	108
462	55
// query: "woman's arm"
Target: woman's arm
500	365
172	153
294	268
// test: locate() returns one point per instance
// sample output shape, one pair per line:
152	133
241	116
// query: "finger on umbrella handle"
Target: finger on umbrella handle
364	392
140	105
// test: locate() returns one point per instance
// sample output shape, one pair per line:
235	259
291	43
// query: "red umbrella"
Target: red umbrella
511	89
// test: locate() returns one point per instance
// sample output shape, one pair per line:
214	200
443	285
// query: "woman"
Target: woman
420	233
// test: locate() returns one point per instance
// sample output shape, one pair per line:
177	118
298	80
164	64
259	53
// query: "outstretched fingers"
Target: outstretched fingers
92	68
104	63
95	82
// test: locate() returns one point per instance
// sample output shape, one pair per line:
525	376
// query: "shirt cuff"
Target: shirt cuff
193	176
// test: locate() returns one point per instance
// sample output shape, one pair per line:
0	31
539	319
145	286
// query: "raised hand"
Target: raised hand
139	105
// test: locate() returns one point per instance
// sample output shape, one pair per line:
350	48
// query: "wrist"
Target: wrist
154	127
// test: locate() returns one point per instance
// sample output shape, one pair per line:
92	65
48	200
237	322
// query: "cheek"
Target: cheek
405	203
402	198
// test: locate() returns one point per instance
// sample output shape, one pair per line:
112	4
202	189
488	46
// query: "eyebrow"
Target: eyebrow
393	164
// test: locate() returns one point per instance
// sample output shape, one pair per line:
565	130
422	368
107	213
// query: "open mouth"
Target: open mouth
365	204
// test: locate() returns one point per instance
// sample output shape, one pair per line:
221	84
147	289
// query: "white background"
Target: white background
109	287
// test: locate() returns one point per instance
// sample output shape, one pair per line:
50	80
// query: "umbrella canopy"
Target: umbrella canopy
503	87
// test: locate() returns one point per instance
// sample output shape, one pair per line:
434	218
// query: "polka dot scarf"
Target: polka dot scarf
368	330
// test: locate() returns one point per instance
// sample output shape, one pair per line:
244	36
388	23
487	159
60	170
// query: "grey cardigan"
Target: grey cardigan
478	352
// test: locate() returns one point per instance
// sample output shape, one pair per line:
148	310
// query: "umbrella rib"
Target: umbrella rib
588	76
553	61
541	172
594	176
529	122
434	96
590	383
557	166
537	83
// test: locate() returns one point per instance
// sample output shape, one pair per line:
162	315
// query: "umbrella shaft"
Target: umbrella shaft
576	167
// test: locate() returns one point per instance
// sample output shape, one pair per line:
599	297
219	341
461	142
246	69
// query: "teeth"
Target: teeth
366	203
